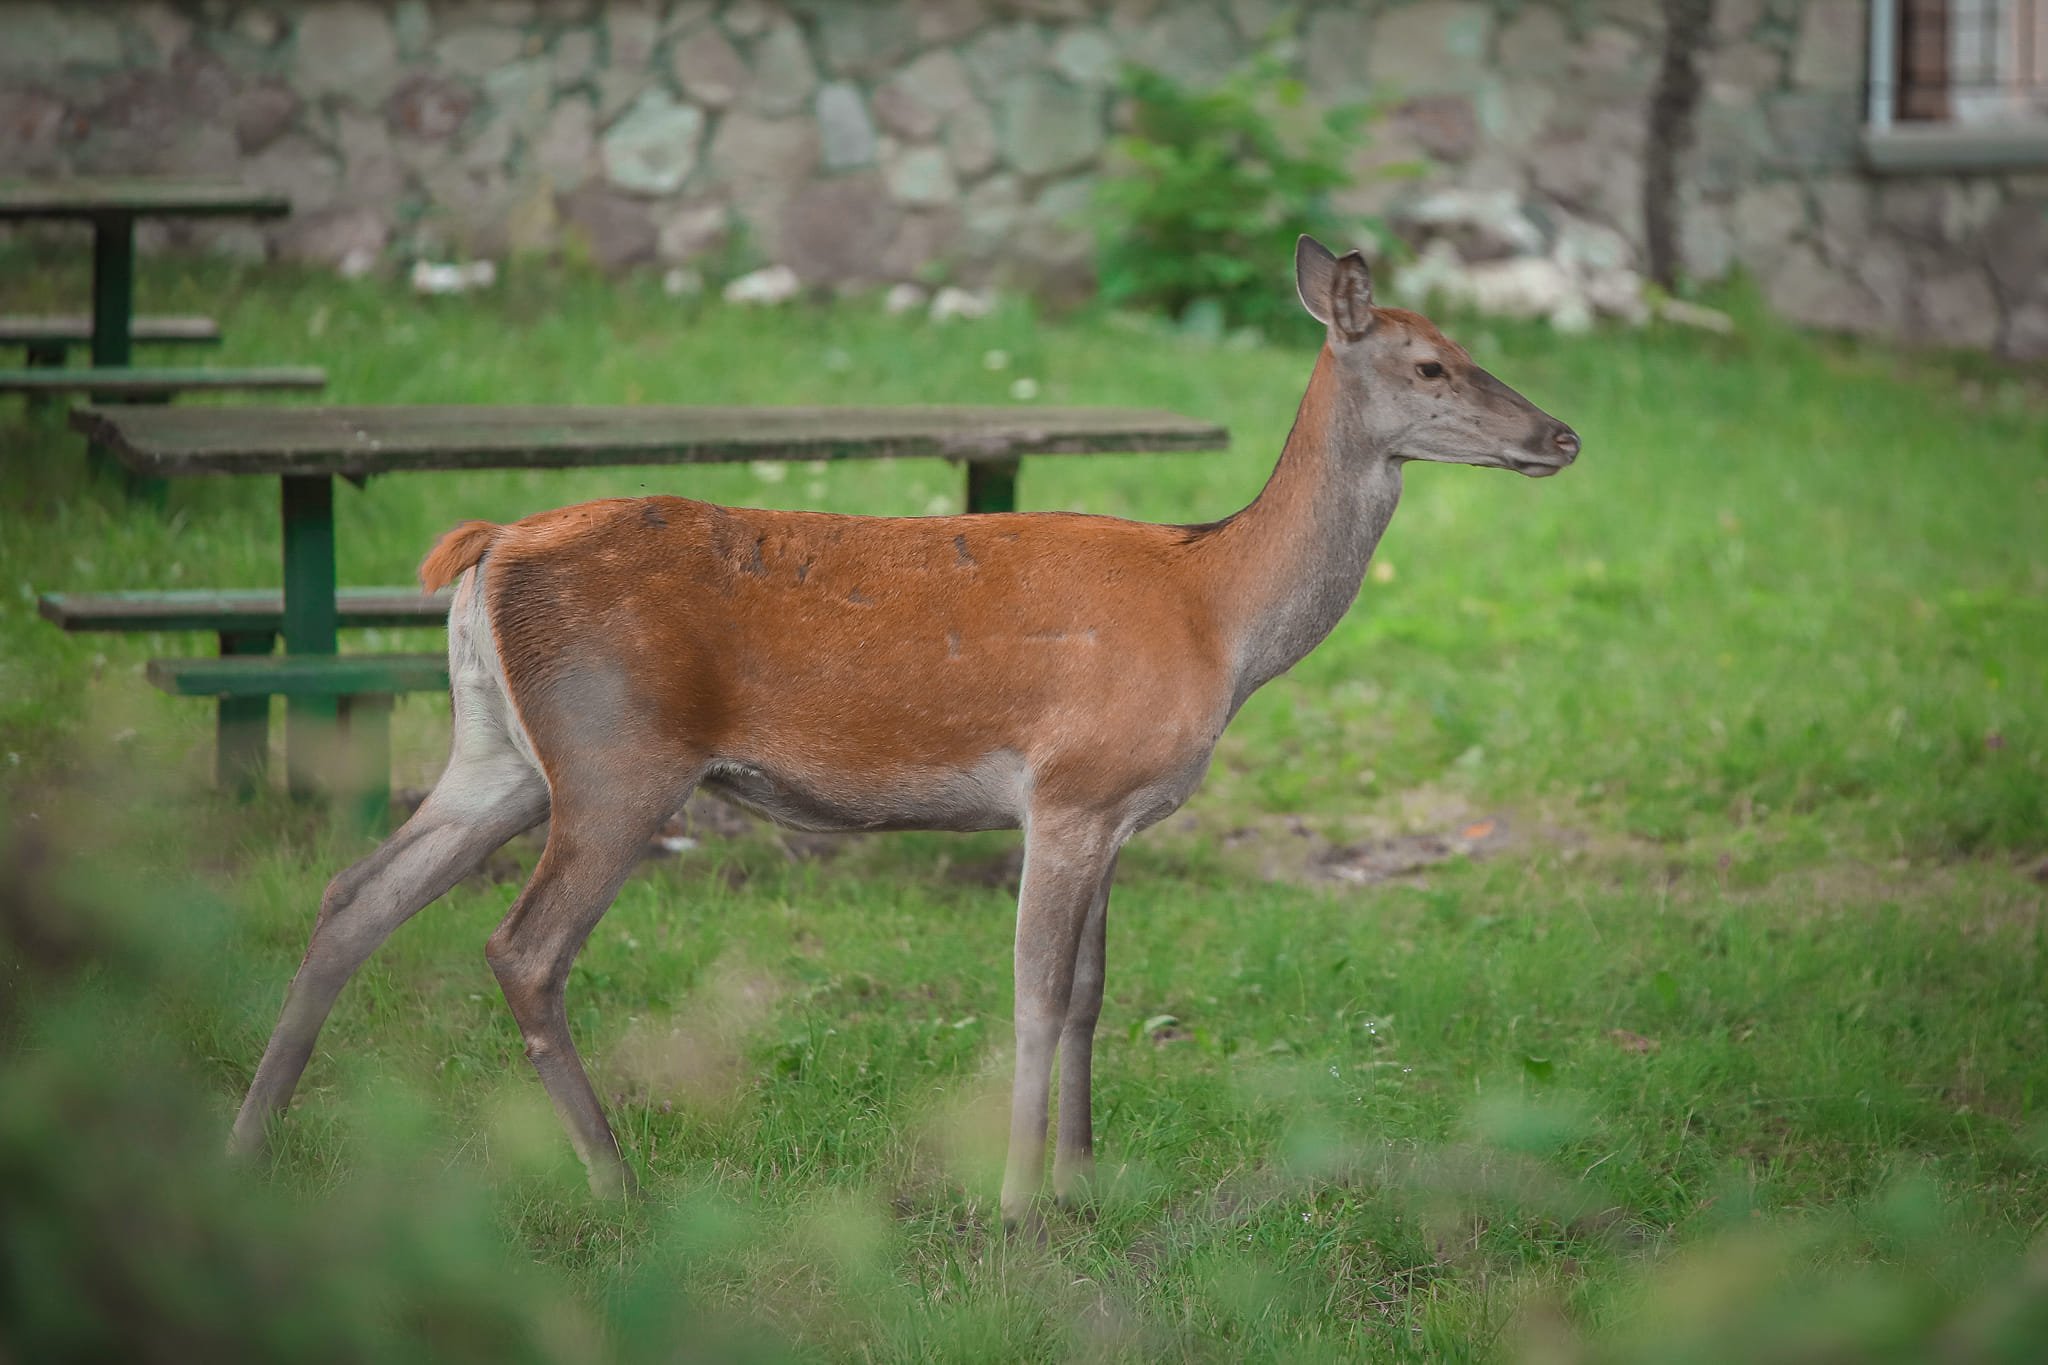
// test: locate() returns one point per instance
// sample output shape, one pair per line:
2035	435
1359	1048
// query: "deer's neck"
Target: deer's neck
1289	566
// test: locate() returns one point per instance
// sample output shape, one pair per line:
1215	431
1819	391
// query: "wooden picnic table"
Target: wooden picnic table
112	206
307	448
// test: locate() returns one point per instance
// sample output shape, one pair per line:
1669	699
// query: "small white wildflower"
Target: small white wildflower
769	471
995	360
1024	389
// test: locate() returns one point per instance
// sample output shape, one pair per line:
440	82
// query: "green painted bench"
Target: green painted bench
247	673
159	382
46	340
359	687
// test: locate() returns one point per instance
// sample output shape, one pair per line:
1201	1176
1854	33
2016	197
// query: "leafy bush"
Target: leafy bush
1220	183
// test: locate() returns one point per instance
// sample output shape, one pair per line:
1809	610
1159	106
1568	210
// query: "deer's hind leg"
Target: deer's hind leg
598	833
486	796
1074	1153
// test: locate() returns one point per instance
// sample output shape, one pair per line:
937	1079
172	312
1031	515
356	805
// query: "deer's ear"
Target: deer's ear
1336	290
1314	268
1351	296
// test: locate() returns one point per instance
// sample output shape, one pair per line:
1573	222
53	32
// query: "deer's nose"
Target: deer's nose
1566	441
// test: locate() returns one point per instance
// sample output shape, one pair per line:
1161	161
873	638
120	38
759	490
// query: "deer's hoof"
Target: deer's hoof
1026	1228
613	1180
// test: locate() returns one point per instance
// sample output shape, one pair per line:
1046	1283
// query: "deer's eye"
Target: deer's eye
1429	369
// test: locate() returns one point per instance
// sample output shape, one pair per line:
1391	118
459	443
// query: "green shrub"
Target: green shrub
1219	184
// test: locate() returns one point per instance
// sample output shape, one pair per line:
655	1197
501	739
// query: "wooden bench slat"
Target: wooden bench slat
306	675
75	329
360	440
139	381
235	609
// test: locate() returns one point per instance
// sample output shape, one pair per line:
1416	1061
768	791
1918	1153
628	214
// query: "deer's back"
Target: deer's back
822	647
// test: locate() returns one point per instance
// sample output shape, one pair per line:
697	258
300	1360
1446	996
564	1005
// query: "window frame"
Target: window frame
1891	147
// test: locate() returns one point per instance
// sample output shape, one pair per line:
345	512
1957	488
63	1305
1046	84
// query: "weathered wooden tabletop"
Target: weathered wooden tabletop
355	442
137	196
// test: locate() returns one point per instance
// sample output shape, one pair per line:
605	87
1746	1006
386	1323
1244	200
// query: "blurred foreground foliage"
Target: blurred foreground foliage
128	1235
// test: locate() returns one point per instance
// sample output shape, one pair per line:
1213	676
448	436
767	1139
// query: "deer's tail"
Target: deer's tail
455	553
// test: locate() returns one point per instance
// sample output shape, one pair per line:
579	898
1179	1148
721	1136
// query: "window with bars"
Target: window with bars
1963	61
1957	82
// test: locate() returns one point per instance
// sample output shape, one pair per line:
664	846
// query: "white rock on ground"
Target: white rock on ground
438	277
1618	294
1686	314
903	298
765	288
952	302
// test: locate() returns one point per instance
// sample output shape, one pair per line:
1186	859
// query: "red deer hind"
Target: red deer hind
1067	675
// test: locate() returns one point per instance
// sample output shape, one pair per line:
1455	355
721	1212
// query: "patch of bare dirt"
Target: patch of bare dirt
997	871
1415	832
1379	860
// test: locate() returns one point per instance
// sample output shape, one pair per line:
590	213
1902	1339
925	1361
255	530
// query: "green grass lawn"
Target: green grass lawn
1729	1043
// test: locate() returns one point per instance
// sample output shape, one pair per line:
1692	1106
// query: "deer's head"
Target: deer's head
1411	391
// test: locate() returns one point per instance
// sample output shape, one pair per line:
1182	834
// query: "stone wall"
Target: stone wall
869	140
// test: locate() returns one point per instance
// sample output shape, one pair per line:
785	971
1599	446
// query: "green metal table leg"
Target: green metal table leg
366	726
992	486
242	729
309	624
44	355
113	303
113	288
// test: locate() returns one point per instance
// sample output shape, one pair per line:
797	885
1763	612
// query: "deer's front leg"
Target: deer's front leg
1073	1161
1065	860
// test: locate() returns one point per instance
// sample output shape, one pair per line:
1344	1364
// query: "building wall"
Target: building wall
872	139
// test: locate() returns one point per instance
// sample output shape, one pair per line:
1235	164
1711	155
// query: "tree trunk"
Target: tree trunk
1687	24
